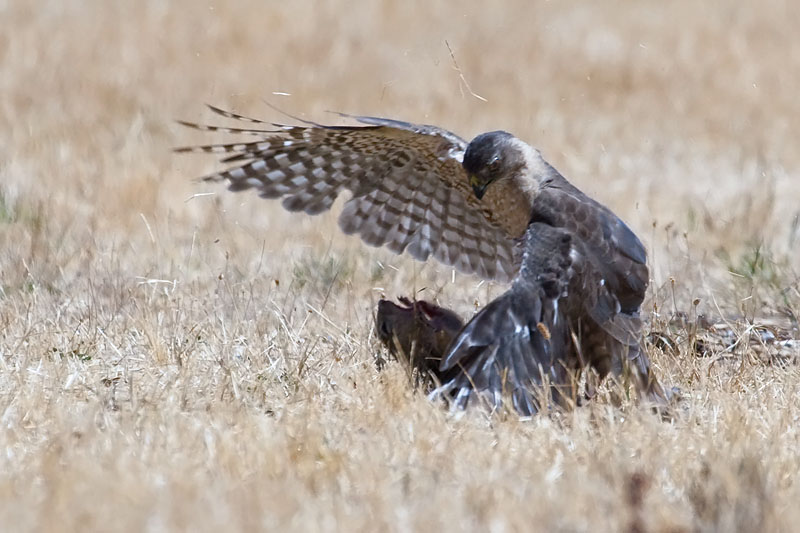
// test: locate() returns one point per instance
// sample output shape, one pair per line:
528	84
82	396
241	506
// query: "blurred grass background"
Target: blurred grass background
172	361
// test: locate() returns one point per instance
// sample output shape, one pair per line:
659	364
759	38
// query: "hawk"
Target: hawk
492	207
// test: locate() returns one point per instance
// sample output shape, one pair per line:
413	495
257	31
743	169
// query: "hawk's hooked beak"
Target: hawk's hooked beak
477	187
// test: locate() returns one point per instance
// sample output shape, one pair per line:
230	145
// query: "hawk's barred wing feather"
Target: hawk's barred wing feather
409	190
221	129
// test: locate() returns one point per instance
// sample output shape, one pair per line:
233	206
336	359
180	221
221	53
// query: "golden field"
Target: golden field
174	357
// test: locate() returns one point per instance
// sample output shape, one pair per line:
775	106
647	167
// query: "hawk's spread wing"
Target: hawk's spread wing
409	190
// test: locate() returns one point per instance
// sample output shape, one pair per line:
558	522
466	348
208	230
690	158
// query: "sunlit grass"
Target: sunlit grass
177	357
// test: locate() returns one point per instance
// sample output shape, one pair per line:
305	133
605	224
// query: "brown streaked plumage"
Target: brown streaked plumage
491	207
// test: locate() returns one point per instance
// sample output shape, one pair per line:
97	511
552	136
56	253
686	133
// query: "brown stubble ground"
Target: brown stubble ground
170	362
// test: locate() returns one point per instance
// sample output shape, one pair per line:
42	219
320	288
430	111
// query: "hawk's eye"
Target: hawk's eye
494	164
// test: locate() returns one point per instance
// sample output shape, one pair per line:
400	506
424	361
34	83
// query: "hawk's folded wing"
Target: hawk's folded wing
409	190
612	272
614	250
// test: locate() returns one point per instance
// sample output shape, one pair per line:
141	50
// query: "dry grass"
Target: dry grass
169	363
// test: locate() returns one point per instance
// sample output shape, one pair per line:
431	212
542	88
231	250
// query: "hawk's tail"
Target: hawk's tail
519	342
513	348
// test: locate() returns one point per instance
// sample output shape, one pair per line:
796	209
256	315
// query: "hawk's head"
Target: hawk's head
494	156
